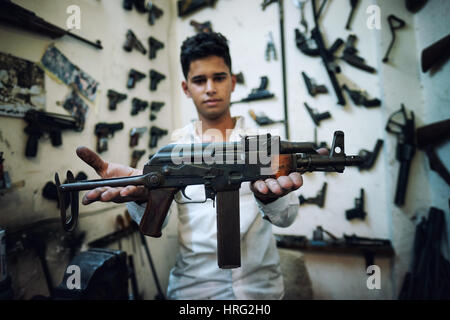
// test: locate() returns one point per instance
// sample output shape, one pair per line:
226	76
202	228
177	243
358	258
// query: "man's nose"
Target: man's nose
210	86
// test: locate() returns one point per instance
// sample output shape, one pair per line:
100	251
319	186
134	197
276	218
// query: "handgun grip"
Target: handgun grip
158	204
32	146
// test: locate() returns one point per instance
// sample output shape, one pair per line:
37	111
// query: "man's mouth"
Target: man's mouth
212	102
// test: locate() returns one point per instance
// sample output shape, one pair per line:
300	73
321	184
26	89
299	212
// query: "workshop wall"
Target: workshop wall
22	206
247	27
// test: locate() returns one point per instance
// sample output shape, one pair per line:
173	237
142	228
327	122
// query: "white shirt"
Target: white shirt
196	274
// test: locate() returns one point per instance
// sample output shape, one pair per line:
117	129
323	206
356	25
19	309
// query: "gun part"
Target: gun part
103	131
271	52
204	27
352	58
316	116
156	134
404	128
133	77
138	105
262	119
358	211
164	176
353	4
313	88
259	93
359	97
415	6
13	14
435	54
370	156
395	23
135	134
307	46
153	13
127	5
154	45
301	5
155	78
327	55
186	7
133	42
429	137
135	157
240	78
155	107
318	200
114	98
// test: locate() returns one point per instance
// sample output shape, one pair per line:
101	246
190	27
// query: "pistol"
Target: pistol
138	105
154	45
135	134
156	134
133	77
114	98
133	42
313	88
153	13
103	131
135	157
155	78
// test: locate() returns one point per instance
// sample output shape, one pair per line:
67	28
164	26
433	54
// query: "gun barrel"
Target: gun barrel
92	184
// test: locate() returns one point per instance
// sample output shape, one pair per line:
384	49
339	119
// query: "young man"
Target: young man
209	82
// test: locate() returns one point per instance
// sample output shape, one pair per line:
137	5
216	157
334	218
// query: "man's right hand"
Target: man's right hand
108	170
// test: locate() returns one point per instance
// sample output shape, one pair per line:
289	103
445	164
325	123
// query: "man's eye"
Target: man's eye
221	78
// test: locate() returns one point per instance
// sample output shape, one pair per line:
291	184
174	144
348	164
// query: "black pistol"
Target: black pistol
103	131
114	98
133	77
155	78
155	134
154	45
153	13
313	88
133	42
138	105
316	116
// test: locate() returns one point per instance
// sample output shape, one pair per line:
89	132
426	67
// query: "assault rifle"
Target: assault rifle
13	14
221	168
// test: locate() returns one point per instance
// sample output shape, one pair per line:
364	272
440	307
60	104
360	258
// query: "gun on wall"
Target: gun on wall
359	97
404	128
327	55
13	14
135	134
135	157
186	7
370	156
368	247
205	27
154	45
133	77
437	53
103	131
222	168
155	107
358	211
132	42
155	78
260	93
41	122
313	88
262	119
429	137
318	200
138	105
395	23
153	13
114	98
353	4
316	116
307	46
156	133
352	58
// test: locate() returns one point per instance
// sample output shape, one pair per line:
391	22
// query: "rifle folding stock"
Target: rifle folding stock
221	168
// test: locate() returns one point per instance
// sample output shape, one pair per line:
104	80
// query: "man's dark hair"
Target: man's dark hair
203	45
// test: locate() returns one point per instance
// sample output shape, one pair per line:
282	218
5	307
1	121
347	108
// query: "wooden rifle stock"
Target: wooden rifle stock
158	204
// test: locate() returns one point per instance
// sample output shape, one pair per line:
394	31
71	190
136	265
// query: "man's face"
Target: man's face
210	83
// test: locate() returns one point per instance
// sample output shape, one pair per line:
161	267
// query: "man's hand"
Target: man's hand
107	170
270	189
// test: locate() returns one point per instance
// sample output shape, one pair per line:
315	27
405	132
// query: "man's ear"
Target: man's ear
185	88
233	82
